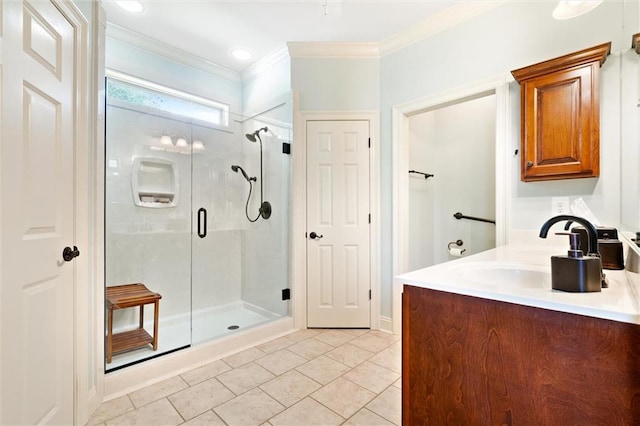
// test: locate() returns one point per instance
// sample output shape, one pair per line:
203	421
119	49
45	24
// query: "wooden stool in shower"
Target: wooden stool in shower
130	296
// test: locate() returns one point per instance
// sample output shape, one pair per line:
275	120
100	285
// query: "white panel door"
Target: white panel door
37	219
338	252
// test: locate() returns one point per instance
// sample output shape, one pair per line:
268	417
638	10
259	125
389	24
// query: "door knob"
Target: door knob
313	236
68	254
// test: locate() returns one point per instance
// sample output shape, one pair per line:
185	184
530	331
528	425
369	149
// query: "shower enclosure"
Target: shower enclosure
175	215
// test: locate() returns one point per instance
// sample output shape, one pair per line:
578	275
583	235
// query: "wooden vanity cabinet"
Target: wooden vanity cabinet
560	116
473	361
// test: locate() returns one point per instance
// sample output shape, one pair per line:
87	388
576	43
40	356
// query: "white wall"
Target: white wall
456	143
335	84
511	36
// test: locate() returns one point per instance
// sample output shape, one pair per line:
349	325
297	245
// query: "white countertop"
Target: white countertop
521	274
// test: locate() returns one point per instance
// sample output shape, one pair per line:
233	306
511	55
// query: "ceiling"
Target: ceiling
210	29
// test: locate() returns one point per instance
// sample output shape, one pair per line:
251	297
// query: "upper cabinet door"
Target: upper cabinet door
560	116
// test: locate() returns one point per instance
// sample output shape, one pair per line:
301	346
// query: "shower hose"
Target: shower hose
246	207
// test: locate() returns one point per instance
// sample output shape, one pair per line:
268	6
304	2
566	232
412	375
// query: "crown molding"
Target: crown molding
441	21
148	44
301	49
264	63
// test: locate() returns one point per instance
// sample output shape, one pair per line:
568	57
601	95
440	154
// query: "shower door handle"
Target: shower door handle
202	222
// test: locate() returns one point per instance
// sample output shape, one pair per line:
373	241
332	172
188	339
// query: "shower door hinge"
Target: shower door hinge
369	294
286	148
286	294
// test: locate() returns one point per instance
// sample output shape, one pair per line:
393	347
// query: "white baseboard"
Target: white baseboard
386	324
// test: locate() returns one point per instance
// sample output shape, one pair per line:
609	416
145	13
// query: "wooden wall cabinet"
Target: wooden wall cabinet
560	116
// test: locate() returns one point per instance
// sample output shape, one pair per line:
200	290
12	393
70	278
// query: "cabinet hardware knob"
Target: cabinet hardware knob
529	163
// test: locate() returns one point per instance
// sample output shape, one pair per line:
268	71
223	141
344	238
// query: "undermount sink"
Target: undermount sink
505	274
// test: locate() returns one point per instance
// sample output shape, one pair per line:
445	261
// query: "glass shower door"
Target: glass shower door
240	262
147	224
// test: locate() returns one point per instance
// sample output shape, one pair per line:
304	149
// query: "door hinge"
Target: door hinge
369	142
286	294
369	217
369	294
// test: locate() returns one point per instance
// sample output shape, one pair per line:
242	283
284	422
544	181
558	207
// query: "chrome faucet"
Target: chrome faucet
592	237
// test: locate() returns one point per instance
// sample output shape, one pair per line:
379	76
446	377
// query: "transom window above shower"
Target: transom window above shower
142	94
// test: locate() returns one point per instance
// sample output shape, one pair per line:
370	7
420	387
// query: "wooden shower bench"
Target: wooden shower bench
130	296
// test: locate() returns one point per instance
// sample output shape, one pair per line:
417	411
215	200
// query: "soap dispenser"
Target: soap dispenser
575	272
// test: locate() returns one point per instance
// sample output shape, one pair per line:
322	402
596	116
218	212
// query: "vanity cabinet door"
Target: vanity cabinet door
560	116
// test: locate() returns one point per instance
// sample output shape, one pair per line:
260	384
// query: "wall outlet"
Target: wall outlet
560	205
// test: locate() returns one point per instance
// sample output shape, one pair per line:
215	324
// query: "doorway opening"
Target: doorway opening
456	145
431	135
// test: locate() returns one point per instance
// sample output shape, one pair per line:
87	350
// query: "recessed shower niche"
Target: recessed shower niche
154	182
175	217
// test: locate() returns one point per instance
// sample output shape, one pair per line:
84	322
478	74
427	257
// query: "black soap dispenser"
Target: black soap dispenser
575	272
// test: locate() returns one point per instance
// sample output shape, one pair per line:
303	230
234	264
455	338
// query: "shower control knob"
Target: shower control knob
68	254
313	236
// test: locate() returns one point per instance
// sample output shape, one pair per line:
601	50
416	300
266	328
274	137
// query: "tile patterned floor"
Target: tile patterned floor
310	377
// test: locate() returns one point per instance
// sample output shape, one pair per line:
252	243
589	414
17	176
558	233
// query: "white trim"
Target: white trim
164	50
448	18
400	129
272	59
132	378
83	220
299	215
302	49
97	109
386	324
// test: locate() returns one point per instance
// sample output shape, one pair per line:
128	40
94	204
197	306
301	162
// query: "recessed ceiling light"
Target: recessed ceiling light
567	9
133	6
241	54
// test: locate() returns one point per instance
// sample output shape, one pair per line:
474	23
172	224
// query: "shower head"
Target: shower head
236	168
255	136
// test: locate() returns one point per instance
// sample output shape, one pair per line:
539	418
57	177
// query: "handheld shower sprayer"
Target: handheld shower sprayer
235	168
